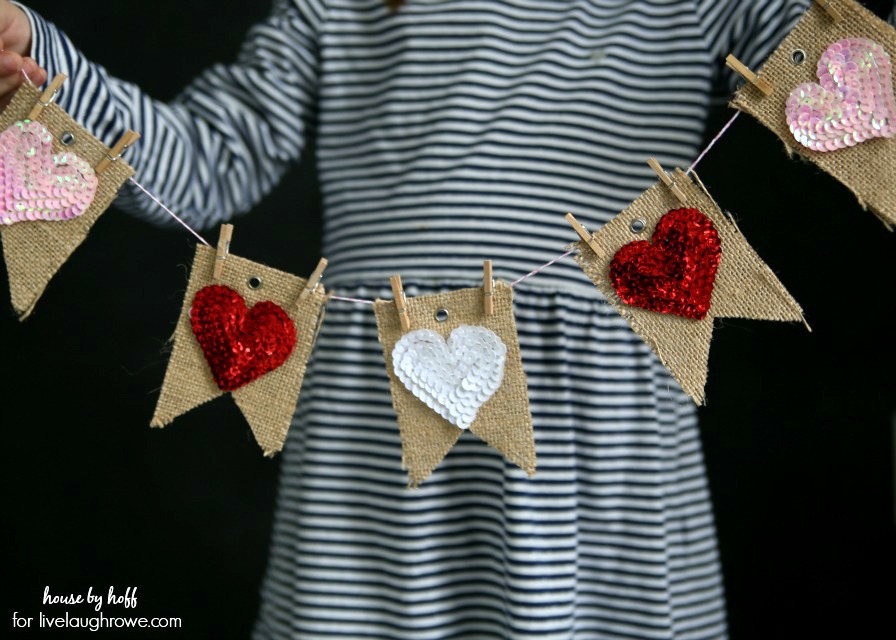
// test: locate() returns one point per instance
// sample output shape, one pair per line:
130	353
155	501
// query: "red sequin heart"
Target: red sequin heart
240	344
675	273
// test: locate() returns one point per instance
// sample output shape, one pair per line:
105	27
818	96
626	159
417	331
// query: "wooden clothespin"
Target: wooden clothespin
223	249
129	138
585	235
739	67
666	180
314	279
48	96
488	288
401	302
836	16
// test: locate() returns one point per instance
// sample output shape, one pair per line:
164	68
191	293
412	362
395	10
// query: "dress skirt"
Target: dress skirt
612	538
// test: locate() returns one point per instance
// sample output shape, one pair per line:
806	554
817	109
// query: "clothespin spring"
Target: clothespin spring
666	180
223	249
48	97
585	235
401	302
488	288
829	8
314	279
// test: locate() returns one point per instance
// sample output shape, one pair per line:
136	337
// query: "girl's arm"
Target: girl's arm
225	141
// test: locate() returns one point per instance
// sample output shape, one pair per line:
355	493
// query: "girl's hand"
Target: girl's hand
15	47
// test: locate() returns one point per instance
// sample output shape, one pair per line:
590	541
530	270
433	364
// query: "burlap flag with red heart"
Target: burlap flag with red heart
456	369
248	333
51	194
671	267
833	100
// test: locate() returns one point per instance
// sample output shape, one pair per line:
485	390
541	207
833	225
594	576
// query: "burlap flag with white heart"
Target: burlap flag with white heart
833	100
455	369
51	194
671	267
250	333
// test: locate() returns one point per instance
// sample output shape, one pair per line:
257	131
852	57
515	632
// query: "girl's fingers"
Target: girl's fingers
10	63
10	75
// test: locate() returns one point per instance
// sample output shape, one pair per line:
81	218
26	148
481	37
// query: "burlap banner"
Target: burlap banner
35	249
242	319
852	101
453	349
695	268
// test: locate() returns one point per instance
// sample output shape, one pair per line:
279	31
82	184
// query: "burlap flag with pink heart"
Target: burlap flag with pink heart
248	333
833	100
670	267
52	195
456	369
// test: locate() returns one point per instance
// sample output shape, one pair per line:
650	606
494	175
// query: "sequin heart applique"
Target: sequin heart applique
853	103
240	344
675	273
456	378
38	184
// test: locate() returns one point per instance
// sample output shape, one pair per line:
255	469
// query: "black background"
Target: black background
798	432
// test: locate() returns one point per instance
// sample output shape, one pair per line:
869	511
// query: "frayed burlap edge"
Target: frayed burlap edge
268	403
745	287
504	421
868	170
35	250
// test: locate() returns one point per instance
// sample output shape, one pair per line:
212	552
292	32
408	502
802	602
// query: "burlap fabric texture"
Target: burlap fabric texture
867	169
504	421
268	402
744	287
35	250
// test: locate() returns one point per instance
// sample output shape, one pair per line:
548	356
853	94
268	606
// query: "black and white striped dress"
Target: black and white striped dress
450	132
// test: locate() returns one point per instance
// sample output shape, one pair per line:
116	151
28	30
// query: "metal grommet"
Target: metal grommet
798	56
441	315
67	139
638	225
254	282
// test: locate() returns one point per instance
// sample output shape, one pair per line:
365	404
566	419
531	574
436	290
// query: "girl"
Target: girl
449	131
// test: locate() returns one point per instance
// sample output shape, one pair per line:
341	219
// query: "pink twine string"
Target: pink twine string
532	273
535	272
713	142
359	300
169	211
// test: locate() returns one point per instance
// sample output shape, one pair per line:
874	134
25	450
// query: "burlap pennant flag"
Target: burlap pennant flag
244	310
671	266
832	100
43	218
457	368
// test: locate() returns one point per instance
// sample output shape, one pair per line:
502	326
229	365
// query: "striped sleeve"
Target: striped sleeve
226	140
749	30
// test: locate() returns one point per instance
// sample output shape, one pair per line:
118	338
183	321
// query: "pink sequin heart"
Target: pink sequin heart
38	184
853	103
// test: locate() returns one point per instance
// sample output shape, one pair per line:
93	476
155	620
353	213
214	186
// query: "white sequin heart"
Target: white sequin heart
35	183
853	102
456	378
